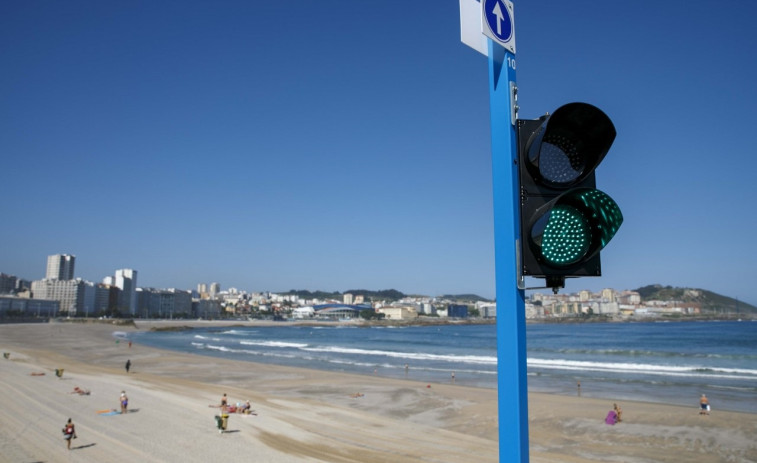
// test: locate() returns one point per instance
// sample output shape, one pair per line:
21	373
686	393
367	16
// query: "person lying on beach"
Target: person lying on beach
356	395
80	391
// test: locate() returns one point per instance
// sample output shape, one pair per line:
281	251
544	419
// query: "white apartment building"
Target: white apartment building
60	267
215	289
70	293
126	281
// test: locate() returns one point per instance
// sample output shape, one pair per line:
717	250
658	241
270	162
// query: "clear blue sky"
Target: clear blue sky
340	145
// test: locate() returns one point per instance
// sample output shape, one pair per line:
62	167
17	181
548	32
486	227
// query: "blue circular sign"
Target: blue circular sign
499	19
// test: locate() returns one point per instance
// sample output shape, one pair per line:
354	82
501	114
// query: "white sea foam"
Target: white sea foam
477	359
643	368
240	332
233	351
273	344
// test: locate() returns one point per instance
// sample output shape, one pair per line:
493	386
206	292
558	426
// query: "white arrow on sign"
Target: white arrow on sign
500	17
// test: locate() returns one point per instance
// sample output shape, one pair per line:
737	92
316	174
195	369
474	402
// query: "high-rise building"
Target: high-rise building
60	267
126	280
215	288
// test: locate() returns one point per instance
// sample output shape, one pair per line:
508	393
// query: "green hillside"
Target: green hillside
709	301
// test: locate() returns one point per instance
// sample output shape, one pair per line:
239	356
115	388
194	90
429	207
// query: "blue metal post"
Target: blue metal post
511	310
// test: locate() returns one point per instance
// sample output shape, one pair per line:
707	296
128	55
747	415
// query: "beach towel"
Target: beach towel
612	417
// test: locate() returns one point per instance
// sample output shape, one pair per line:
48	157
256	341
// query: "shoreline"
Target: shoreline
421	321
741	402
308	415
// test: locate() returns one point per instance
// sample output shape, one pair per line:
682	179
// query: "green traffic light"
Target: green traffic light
578	224
567	236
564	220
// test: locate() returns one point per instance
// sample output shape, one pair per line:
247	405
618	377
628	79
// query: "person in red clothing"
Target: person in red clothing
69	432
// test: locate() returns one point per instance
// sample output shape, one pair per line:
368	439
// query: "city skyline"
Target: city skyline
331	146
125	279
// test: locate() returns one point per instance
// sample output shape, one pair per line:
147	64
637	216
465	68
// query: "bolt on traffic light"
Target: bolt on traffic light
565	221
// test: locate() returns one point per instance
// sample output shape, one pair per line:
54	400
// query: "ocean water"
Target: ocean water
672	362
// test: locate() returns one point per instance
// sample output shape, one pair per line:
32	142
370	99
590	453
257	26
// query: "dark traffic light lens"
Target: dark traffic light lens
568	145
560	162
567	236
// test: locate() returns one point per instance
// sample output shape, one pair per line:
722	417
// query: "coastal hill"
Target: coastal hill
708	301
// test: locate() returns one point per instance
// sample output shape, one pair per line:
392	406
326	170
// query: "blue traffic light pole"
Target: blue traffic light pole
511	308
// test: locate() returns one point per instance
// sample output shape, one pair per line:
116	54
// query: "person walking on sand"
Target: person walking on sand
69	432
224	400
124	400
224	418
128	365
704	405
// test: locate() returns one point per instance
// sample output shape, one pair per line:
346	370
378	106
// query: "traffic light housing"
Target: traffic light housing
565	221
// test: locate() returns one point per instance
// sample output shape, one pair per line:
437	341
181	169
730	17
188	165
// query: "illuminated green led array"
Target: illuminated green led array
567	236
605	213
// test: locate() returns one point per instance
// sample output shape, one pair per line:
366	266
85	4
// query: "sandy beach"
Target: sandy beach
305	415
